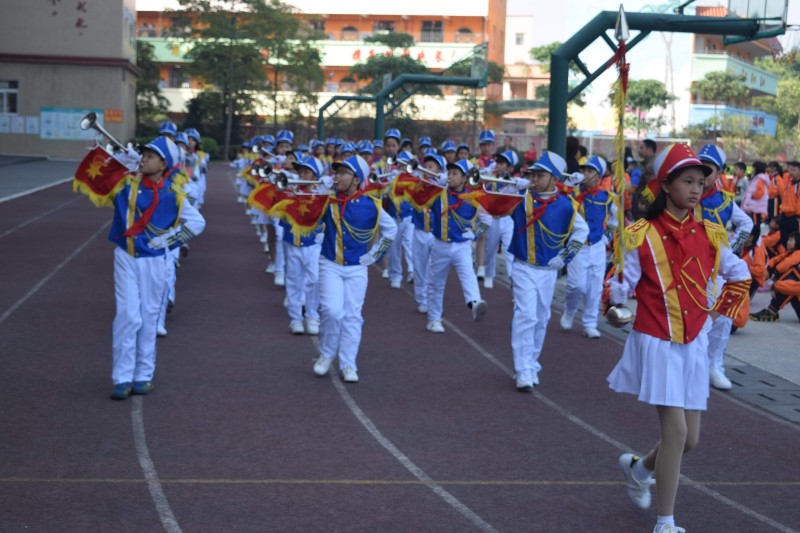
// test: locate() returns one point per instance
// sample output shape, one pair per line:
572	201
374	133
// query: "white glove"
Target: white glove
130	158
468	235
326	182
366	260
619	292
521	183
319	237
574	179
157	243
556	263
441	179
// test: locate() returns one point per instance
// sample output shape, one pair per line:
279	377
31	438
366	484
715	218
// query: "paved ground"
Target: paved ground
240	436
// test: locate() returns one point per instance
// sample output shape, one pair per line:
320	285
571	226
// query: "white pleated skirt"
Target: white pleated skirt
661	372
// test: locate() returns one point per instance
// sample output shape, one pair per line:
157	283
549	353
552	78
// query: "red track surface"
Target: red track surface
243	437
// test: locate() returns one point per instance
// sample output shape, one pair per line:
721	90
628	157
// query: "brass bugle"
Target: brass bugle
265	169
284	182
619	315
90	122
413	166
475	177
374	178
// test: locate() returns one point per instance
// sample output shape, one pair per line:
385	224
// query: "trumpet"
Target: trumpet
374	178
475	178
413	168
90	122
261	170
291	183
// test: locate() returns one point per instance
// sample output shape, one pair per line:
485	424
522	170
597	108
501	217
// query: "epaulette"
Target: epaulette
633	235
716	234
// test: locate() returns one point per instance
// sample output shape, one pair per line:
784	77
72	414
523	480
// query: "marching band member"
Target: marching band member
548	232
720	207
400	211
587	269
302	262
150	218
201	163
448	151
672	262
454	224
351	220
485	161
501	228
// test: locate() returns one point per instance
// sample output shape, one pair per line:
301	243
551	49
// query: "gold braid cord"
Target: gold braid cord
619	173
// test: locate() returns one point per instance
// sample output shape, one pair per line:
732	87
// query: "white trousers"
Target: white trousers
280	246
585	275
533	290
718	337
169	286
443	255
400	244
501	231
342	290
421	254
138	288
302	280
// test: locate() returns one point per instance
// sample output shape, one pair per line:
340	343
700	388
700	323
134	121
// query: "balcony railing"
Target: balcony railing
424	36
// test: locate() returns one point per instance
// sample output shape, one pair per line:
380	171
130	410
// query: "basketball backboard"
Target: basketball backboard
770	13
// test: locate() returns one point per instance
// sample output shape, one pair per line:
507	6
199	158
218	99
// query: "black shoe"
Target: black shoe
121	391
142	387
765	315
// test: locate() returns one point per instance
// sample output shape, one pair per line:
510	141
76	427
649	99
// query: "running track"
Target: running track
240	436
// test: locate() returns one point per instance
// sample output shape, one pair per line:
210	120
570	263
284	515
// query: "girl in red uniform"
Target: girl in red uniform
671	262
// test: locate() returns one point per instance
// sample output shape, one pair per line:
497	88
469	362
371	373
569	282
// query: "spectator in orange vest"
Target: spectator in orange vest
785	270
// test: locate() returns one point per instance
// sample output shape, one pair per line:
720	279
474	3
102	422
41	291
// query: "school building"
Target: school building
443	36
58	61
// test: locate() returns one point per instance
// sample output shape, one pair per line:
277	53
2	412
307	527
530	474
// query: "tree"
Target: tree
151	106
234	41
642	97
374	68
542	55
721	87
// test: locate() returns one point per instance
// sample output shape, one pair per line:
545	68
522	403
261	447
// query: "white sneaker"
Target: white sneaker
638	491
286	302
349	375
410	277
668	528
566	321
422	309
280	279
481	272
322	365
270	268
240	200
435	326
264	238
161	331
592	333
524	382
488	283
385	274
719	380
297	327
312	326
479	310
535	377
396	284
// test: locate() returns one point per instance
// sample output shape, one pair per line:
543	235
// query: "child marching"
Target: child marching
672	261
586	271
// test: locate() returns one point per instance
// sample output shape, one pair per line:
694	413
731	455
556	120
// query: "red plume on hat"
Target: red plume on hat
672	158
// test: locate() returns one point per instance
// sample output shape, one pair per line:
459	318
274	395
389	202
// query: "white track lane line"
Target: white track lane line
163	509
404	460
34	219
34	190
607	438
52	273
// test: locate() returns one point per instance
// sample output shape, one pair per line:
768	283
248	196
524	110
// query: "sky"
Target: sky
647	60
